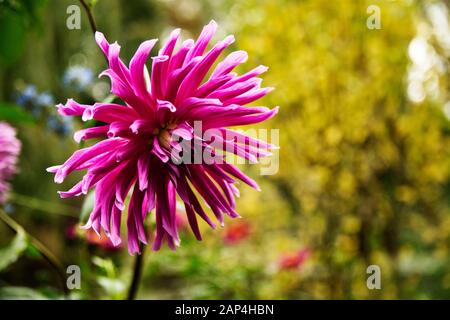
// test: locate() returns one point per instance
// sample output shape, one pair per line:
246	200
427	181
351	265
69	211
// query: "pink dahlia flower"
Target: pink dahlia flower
136	153
9	151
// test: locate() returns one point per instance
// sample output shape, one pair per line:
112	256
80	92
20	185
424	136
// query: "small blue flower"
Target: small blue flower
30	91
45	99
27	95
78	76
61	125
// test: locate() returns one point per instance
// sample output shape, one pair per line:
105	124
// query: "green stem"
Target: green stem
137	273
88	10
43	250
45	206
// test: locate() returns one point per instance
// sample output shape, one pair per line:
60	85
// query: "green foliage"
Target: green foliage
14	250
21	293
13	36
16	17
365	171
113	286
14	114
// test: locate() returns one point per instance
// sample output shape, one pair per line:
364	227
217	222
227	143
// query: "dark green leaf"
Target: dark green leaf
12	253
13	113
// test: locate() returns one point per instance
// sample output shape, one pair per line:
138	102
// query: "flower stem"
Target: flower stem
88	10
137	273
43	250
44	206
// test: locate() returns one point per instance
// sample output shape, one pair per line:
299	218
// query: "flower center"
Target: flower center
164	135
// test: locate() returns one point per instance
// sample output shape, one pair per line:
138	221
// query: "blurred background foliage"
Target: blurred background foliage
364	161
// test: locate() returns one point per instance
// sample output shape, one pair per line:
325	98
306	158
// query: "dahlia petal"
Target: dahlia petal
106	211
211	112
123	185
102	42
135	214
163	111
141	126
219	197
224	184
137	64
230	146
229	63
234	171
89	181
167	50
90	133
160	232
169	218
115	226
165	216
53	169
201	184
117	65
109	112
113	57
73	192
170	43
176	77
143	167
149	198
103	164
235	190
165	105
129	151
106	198
71	108
159	152
178	58
187	195
249	96
118	128
96	226
212	84
196	75
158	77
184	131
236	90
125	92
192	219
246	140
192	104
218	172
133	240
251	74
87	225
241	116
202	42
81	156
